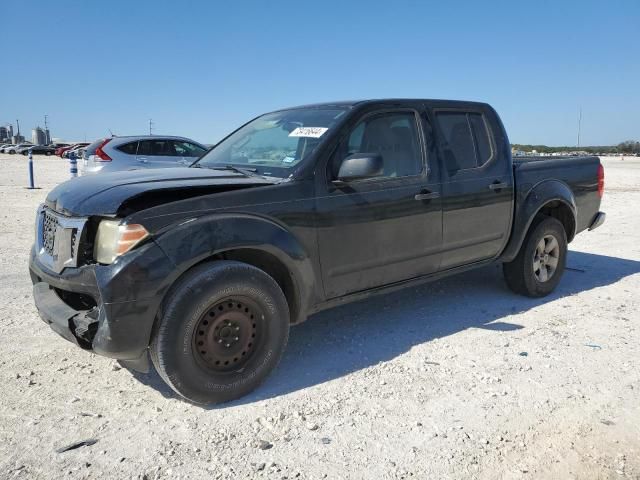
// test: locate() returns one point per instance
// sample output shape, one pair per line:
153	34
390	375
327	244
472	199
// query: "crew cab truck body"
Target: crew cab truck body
205	268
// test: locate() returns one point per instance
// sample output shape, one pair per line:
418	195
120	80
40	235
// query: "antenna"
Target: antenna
150	126
579	125
46	125
111	132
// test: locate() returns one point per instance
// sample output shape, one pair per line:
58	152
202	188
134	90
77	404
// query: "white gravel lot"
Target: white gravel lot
456	379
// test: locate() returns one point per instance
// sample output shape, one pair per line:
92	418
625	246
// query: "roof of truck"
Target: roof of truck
353	103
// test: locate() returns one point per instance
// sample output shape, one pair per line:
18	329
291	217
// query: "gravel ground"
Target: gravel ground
456	379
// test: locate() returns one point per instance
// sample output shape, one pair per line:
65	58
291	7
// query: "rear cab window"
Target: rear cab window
465	140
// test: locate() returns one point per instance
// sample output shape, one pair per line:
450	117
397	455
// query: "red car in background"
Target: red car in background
60	152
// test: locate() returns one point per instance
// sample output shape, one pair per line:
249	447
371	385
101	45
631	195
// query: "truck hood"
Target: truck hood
106	193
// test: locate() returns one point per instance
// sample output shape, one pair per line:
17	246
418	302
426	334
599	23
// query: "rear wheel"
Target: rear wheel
539	266
223	329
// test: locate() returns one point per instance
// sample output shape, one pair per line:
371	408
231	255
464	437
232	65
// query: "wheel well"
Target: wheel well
561	212
271	265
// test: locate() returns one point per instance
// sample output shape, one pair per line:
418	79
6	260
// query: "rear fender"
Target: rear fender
530	205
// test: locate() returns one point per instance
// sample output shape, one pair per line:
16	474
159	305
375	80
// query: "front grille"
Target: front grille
49	226
58	239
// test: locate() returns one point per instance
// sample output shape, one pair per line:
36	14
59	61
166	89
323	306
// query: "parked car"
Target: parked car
205	268
61	149
37	150
14	148
126	153
2	146
77	149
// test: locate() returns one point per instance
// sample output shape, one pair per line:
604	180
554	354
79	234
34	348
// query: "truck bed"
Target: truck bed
579	173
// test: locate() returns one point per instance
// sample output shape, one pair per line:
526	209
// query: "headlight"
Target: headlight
114	239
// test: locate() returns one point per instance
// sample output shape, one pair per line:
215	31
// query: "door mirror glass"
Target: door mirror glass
361	165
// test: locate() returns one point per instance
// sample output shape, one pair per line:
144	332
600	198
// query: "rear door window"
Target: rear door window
459	152
156	148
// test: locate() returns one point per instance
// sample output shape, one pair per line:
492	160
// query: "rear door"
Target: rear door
477	187
156	153
380	230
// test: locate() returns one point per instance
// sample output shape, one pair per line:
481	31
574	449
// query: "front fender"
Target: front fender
193	241
529	203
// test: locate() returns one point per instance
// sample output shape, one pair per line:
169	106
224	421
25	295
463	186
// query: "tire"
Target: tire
48	154
11	152
531	273
223	329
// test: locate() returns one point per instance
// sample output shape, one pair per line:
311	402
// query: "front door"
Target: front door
380	230
187	152
477	189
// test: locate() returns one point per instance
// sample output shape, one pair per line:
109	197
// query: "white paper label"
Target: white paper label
313	132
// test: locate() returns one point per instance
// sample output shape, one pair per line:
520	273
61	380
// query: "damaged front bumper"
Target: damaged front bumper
107	309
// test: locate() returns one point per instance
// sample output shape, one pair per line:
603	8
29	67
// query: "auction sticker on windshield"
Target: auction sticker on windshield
313	132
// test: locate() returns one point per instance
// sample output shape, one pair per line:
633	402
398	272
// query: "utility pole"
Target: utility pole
150	126
47	135
579	125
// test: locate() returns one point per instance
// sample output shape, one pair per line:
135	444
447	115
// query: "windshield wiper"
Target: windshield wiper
249	172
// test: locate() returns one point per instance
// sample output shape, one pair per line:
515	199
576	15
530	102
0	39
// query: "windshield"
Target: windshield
274	143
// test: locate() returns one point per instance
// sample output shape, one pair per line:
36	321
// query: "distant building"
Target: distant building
47	135
16	139
38	136
6	133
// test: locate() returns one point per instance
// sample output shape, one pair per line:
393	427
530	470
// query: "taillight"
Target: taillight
101	154
600	180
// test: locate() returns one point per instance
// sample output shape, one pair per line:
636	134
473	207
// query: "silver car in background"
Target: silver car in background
128	153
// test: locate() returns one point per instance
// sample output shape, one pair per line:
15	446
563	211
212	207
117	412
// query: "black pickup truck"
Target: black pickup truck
205	268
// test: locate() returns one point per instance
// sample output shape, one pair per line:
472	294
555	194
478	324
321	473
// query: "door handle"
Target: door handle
498	186
142	160
426	195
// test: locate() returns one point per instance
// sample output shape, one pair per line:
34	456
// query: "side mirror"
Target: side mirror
360	165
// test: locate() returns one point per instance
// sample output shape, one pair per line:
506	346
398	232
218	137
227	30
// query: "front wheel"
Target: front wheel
539	266
223	329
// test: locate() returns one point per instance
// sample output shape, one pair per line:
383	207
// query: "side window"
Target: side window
392	135
481	136
161	148
129	148
459	151
466	141
187	149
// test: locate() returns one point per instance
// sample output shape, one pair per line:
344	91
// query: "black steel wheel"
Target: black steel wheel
223	328
226	335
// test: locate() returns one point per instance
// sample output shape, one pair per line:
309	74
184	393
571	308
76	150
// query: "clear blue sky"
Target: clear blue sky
200	68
